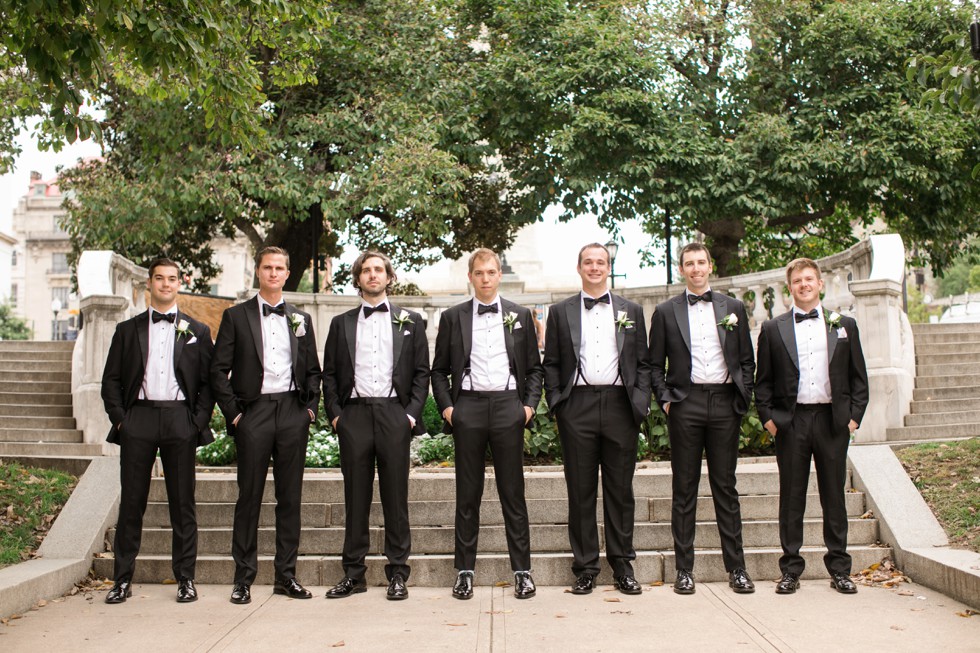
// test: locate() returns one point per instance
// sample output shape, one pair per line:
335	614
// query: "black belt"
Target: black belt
488	394
154	403
712	387
276	396
598	388
372	400
814	406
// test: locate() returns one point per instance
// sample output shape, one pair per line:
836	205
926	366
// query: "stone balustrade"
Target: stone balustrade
864	281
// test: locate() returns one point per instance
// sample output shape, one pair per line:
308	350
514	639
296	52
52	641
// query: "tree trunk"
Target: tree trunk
296	237
724	237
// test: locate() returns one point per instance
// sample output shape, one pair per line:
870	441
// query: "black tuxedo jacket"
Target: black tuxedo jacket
455	342
563	337
126	364
778	378
238	350
410	373
670	341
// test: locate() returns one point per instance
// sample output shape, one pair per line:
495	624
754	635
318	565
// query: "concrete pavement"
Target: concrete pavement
911	618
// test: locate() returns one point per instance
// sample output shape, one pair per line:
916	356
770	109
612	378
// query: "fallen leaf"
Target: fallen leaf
10	512
501	583
455	624
169	581
560	616
338	644
612	599
42	603
897	628
657	583
905	593
967	613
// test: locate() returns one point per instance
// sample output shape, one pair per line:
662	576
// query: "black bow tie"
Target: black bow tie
812	315
590	303
486	308
380	308
694	299
169	317
278	310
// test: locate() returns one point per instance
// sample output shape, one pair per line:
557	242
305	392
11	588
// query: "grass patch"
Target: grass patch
30	499
948	476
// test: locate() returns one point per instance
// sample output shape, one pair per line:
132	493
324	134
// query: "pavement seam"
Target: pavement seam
229	630
745	621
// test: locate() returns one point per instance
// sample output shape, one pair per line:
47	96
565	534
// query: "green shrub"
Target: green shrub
432	417
220	452
542	441
323	449
431	448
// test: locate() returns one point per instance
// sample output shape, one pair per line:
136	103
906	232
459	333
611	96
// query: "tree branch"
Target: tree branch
249	230
801	219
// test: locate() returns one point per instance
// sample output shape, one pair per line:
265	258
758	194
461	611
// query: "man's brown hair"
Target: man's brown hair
483	254
692	247
796	265
162	262
591	246
359	266
270	250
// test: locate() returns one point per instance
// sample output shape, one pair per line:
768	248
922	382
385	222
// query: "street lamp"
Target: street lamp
613	250
55	308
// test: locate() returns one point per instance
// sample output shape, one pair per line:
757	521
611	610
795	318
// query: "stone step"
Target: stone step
946	348
41	421
942	406
957	392
758	507
49	449
21	397
26	388
37	345
8	376
327	487
941	419
8	411
903	433
946	337
38	355
32	436
947	381
927	357
434	540
549	569
956	327
30	365
949	371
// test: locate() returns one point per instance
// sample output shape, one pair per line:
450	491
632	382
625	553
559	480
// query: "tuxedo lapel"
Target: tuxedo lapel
255	326
179	342
573	313
619	306
293	340
396	336
143	335
831	341
350	333
720	303
787	332
680	314
466	330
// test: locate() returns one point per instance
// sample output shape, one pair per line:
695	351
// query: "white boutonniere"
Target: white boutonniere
833	319
402	319
298	324
623	321
729	322
510	320
183	328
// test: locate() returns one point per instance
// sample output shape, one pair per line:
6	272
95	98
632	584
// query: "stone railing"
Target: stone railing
864	281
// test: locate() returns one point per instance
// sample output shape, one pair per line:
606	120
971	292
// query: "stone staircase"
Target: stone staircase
431	496
946	398
35	403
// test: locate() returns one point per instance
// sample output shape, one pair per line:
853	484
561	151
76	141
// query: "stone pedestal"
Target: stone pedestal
100	315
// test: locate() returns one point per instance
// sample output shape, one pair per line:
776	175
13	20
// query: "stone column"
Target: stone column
886	337
100	314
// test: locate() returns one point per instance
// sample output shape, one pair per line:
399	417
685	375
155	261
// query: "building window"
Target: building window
13	295
40	189
213	289
61	294
13	259
59	263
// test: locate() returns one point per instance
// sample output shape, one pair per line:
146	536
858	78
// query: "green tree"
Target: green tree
11	326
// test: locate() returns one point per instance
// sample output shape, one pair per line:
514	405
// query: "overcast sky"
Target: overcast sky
559	239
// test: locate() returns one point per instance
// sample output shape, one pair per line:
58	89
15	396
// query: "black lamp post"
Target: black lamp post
613	248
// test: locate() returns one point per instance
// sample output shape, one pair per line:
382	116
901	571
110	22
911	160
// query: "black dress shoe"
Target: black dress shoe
739	581
627	585
186	592
241	594
291	588
584	584
396	588
684	584
345	588
463	589
788	584
524	585
120	591
843	583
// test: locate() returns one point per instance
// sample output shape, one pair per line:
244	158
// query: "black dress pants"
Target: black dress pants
705	422
276	426
812	435
597	430
497	419
147	427
375	431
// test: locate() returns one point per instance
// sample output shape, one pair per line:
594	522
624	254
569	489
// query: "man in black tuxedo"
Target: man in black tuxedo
269	350
375	383
486	379
703	368
597	384
156	393
811	390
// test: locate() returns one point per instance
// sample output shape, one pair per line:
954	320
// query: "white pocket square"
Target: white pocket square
517	325
842	333
407	333
192	340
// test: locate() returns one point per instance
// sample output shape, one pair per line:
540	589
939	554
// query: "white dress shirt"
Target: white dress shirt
811	347
489	363
373	357
598	353
277	353
707	358
159	379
